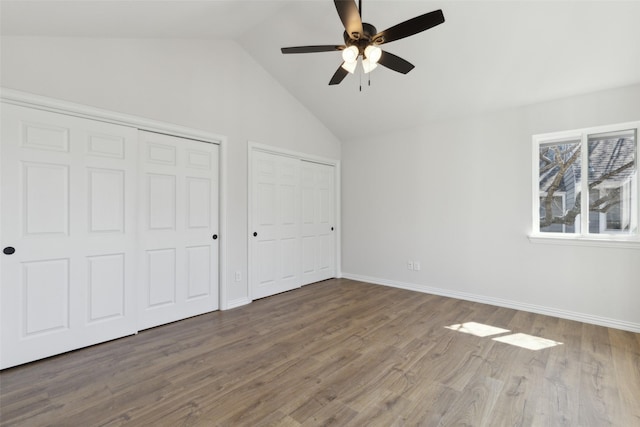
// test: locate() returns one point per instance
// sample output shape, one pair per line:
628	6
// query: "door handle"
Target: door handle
214	237
255	234
9	250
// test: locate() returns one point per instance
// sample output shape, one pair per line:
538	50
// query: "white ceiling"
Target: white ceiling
486	56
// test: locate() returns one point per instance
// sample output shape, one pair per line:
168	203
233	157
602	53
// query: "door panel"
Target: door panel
198	203
106	287
106	200
161	280
42	135
275	203
161	201
46	199
318	217
45	298
68	208
198	271
178	217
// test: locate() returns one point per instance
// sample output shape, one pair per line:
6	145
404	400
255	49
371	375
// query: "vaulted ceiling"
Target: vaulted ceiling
488	55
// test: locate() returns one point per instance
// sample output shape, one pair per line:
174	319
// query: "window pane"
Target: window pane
559	187
612	183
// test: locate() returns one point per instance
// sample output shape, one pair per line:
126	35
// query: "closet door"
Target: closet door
68	233
275	229
318	251
178	258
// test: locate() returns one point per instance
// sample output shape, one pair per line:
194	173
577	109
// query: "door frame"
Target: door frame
255	146
25	99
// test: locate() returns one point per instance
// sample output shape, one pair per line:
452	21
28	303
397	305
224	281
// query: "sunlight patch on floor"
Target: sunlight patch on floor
527	341
477	329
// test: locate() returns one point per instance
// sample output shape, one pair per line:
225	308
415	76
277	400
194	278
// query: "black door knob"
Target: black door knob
255	234
214	237
9	250
331	228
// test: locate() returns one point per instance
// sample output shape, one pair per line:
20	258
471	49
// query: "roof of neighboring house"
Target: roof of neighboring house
605	157
608	155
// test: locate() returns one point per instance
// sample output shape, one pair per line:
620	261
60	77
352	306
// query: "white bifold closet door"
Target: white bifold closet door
178	228
68	233
317	221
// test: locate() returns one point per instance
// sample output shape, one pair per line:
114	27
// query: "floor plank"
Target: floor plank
338	352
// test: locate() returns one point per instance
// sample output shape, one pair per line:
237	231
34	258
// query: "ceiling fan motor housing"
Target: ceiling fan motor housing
365	39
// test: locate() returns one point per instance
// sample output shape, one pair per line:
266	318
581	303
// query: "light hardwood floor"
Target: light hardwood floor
341	353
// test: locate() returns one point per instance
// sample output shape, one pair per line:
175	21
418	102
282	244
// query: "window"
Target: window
586	184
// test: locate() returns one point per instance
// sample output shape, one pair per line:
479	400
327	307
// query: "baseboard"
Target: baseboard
549	311
237	303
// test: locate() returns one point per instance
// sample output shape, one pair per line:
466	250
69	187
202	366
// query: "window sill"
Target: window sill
632	243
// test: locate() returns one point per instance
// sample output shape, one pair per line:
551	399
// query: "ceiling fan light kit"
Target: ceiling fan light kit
362	40
350	54
350	66
368	65
373	53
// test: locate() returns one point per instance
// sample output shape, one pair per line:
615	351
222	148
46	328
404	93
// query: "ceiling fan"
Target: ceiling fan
362	39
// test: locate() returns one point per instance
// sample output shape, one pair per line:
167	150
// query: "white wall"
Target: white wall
208	85
456	196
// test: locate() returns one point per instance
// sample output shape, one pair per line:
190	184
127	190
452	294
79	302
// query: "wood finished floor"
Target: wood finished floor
341	353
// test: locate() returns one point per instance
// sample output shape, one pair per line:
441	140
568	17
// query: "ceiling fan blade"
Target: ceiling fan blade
350	17
338	76
312	49
395	63
410	27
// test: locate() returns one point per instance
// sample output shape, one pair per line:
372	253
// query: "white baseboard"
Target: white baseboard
237	303
549	311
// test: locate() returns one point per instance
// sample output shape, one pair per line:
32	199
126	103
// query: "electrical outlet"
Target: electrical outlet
416	265
238	275
409	265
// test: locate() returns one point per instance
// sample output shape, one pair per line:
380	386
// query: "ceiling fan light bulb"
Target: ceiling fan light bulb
350	54
368	66
350	66
373	53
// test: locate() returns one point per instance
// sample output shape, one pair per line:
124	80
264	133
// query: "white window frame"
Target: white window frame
608	239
